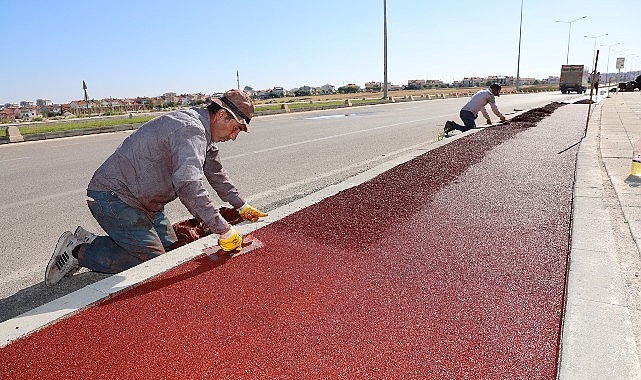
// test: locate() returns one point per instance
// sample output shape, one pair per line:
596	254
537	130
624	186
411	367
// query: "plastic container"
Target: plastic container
634	179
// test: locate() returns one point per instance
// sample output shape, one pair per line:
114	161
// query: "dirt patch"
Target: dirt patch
192	229
533	116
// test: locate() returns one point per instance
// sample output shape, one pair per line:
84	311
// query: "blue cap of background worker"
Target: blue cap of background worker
239	104
497	87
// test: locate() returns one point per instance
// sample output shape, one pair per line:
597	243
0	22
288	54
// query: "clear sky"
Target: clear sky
148	47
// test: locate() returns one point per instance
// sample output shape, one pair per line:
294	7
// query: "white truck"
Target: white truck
572	78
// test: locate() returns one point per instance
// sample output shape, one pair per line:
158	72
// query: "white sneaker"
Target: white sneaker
62	260
449	127
84	236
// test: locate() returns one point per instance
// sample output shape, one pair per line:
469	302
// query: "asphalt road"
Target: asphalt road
285	157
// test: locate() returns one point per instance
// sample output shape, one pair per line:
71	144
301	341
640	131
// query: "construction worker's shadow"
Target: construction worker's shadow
29	299
187	231
38	294
33	297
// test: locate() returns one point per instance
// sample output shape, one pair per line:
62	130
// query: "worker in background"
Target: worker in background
168	157
477	103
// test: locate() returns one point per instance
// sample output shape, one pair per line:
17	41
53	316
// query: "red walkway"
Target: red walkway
451	266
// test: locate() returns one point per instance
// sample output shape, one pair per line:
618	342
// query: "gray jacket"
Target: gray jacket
169	157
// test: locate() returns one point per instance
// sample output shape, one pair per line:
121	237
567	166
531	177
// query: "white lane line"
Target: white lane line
316	177
5	206
15	159
331	137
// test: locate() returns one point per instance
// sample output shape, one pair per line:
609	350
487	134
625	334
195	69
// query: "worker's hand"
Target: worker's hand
489	121
503	119
249	212
230	240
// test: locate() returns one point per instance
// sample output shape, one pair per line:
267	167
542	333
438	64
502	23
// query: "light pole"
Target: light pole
633	63
593	54
567	58
518	62
385	49
607	68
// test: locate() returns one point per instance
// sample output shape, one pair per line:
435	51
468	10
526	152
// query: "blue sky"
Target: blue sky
146	48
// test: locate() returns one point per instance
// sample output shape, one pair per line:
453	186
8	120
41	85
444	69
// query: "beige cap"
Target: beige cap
238	103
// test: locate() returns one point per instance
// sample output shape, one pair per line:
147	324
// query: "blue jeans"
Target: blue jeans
468	120
135	236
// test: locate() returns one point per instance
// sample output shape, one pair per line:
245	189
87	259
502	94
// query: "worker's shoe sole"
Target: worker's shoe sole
62	260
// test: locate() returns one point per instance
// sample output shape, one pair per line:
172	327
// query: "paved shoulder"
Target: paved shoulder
602	325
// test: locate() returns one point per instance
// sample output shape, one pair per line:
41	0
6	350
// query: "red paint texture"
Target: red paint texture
450	266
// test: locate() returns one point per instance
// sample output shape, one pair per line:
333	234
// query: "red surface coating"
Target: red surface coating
451	266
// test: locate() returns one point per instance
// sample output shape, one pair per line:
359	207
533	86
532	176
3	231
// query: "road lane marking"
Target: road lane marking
6	206
15	159
316	177
285	146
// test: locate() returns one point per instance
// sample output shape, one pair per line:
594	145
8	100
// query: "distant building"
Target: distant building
250	91
327	89
76	104
502	80
470	82
8	112
526	81
373	86
26	113
278	92
50	109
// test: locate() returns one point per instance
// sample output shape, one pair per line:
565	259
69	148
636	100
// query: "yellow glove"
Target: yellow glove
230	240
249	212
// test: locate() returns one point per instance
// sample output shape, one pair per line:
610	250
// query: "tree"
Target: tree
349	89
302	92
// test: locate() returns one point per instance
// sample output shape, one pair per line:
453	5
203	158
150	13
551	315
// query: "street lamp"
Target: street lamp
633	63
594	53
518	62
385	49
567	58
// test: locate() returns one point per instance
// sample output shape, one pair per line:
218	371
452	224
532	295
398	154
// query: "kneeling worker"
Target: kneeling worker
168	157
477	103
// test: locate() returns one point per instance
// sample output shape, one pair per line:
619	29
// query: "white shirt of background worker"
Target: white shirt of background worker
477	103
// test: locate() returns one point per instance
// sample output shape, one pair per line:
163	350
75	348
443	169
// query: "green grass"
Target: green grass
314	105
96	123
81	124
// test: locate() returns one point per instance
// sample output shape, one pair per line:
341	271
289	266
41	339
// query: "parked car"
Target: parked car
627	86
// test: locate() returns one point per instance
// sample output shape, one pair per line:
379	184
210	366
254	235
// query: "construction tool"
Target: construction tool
216	253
